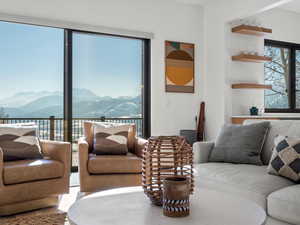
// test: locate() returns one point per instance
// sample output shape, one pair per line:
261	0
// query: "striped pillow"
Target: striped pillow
110	139
19	142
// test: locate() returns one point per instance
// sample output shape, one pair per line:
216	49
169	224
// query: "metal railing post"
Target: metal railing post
52	127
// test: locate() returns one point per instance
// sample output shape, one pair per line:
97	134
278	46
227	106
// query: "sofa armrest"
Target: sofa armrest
202	151
1	168
139	146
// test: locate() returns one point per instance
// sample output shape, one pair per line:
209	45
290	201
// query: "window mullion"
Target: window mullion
292	79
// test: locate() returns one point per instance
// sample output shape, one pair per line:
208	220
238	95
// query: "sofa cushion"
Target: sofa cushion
249	181
284	204
114	164
285	160
288	128
15	172
240	143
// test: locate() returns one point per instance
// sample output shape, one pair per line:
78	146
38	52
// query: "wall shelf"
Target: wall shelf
250	86
251	30
251	58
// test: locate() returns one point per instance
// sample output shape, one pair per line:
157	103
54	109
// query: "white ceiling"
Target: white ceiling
197	2
292	6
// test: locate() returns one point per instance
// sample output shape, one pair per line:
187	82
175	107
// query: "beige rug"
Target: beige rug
46	219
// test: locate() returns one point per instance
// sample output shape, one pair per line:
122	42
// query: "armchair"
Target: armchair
99	172
32	184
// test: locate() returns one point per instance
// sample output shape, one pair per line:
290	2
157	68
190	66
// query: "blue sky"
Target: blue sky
31	59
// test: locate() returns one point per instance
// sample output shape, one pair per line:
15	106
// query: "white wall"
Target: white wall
285	25
167	19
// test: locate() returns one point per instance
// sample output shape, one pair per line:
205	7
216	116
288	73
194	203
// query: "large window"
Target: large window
59	78
283	73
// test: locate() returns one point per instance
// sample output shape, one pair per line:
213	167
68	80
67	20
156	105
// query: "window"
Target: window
58	78
283	73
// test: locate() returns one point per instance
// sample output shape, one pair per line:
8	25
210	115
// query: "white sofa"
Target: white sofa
278	196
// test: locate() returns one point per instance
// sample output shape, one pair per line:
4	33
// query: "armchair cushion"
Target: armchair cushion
88	127
19	142
110	139
15	172
114	164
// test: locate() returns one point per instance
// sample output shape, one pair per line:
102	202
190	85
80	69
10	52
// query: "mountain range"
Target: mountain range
86	104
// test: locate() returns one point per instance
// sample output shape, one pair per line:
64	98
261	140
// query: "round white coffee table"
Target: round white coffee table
130	206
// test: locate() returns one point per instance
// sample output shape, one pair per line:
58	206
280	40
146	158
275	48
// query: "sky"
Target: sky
31	59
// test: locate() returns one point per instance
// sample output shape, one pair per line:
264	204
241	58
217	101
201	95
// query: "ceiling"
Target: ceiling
292	6
197	2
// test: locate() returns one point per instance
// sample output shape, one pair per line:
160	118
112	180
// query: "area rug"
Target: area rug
47	219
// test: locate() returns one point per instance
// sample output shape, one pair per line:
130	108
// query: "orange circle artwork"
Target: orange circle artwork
179	68
179	76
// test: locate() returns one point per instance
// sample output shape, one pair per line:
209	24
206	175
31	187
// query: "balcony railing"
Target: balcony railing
52	128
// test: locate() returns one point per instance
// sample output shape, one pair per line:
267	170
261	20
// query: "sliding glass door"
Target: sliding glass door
58	78
107	80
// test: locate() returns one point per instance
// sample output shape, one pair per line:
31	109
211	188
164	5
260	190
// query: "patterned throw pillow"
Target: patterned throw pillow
110	139
19	142
285	160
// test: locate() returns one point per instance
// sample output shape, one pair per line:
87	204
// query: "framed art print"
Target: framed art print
179	63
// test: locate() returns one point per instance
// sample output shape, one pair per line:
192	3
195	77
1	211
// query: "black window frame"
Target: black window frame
293	47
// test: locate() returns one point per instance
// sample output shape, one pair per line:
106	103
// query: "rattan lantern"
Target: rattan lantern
165	156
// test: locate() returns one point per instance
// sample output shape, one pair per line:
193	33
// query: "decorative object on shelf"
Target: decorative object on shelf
165	156
179	65
250	86
251	58
253	111
176	193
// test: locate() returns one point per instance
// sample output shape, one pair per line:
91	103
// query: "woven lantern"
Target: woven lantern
165	156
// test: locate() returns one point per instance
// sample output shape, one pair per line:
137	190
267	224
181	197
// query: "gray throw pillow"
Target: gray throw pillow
240	144
285	160
19	142
110	139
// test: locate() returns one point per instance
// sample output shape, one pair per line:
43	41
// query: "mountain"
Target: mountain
23	98
86	104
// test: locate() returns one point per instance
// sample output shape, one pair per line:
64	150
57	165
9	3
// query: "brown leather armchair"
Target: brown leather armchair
100	172
32	184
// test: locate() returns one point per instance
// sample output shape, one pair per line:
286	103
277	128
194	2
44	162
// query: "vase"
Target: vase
176	194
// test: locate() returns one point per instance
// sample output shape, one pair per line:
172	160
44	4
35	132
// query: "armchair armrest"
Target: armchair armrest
202	151
1	168
139	146
83	151
60	151
57	150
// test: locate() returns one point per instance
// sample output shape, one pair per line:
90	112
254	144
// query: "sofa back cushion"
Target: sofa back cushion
89	134
240	143
289	128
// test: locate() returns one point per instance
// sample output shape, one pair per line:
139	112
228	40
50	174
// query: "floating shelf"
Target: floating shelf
251	30
250	86
251	58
